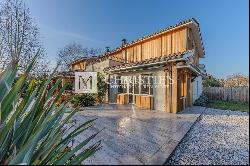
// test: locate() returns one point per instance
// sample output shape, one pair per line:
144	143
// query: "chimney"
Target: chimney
107	49
124	41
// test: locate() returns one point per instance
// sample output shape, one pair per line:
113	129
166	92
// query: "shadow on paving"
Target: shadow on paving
135	136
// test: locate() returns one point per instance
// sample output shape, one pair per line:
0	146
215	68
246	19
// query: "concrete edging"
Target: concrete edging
181	141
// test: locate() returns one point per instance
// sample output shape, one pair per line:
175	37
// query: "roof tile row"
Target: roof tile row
107	54
148	61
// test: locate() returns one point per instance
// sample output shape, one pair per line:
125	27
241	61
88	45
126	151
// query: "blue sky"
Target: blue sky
99	23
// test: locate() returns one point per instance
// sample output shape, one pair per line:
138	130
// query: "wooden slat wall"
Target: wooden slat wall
168	93
130	54
79	66
166	44
146	102
174	91
227	93
122	99
137	52
190	91
184	89
138	101
118	55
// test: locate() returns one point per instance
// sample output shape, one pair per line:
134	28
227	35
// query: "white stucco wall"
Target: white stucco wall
159	93
197	88
99	66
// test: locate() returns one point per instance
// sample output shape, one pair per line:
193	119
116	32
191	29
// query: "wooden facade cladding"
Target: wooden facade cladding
179	89
122	98
81	65
184	89
144	101
171	42
141	101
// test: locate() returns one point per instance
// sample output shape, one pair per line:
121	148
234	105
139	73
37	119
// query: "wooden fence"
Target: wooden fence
227	93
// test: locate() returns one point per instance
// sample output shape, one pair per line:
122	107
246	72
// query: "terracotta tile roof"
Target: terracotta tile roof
106	55
88	59
148	61
65	73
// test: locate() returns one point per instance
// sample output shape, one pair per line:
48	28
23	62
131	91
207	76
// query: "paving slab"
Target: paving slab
135	136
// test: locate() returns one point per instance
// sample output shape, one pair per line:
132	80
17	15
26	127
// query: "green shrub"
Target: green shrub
101	87
201	101
83	100
31	127
69	86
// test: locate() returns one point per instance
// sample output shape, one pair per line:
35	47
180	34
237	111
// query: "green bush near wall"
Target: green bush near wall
83	100
102	87
90	99
201	101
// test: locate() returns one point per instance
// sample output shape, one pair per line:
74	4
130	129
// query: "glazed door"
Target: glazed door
182	91
131	93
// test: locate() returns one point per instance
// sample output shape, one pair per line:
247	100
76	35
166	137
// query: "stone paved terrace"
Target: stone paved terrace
134	136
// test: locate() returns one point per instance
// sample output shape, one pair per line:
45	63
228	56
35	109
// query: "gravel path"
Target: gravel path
219	137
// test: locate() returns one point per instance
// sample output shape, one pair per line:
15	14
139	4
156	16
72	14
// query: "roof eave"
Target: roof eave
198	38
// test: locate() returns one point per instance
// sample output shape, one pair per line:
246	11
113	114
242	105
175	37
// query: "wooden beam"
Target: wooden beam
167	105
174	90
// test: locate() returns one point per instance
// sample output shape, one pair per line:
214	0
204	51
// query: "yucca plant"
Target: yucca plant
31	130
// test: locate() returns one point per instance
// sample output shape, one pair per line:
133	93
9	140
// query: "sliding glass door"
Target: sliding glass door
140	84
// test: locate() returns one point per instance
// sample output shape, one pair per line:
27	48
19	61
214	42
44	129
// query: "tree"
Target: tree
211	82
18	35
74	51
42	67
236	80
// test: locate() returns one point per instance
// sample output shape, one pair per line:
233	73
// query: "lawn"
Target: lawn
229	105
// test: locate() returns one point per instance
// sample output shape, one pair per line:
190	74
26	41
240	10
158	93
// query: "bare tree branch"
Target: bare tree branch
18	35
74	51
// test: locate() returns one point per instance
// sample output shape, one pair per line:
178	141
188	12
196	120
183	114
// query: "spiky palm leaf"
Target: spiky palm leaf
31	126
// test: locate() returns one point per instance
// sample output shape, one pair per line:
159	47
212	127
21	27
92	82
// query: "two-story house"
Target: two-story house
164	67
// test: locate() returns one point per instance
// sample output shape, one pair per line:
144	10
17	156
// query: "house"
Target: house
160	71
